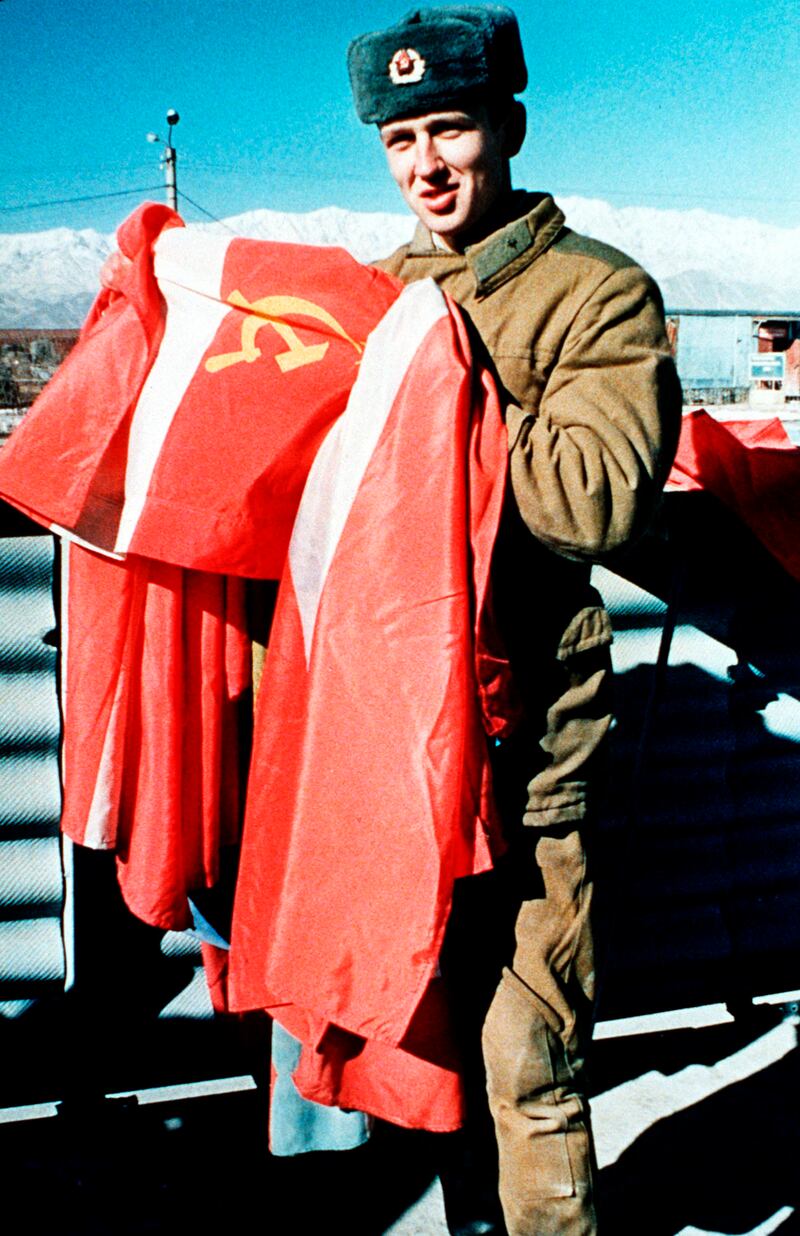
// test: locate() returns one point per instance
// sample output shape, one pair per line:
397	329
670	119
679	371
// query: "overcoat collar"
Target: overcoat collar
504	253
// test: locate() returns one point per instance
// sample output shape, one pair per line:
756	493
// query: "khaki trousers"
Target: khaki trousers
520	960
534	1035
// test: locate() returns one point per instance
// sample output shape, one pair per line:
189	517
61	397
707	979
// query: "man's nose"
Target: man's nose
427	160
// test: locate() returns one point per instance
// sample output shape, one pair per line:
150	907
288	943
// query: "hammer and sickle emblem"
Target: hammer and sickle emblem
272	311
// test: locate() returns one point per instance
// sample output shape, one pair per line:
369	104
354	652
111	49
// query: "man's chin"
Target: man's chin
446	230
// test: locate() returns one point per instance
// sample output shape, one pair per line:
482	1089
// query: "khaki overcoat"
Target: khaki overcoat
575	332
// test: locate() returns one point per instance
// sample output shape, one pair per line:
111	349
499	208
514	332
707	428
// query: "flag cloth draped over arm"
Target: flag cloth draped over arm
156	701
368	788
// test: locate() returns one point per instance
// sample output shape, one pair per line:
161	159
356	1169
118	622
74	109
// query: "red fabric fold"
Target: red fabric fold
751	466
156	700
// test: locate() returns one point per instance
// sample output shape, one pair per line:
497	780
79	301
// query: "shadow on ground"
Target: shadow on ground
200	1166
724	1165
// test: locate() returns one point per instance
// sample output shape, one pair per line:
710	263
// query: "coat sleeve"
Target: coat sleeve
588	465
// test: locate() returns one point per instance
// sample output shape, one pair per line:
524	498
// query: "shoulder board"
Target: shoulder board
570	242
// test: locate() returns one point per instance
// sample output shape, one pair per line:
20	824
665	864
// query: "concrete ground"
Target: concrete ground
696	1124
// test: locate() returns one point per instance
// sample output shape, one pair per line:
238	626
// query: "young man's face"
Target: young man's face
451	168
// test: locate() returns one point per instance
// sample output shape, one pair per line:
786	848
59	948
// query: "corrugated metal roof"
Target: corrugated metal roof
31	881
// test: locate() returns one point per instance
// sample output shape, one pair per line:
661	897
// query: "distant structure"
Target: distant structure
738	356
28	360
724	356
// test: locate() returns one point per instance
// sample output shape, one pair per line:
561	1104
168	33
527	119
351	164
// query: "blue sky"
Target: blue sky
659	104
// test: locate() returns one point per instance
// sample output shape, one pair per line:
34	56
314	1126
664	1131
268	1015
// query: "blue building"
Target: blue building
737	356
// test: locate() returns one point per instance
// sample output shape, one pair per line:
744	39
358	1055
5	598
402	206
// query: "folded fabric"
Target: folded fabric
751	466
157	702
298	1125
178	434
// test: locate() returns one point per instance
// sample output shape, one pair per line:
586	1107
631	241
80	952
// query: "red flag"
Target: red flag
193	448
751	466
370	783
367	794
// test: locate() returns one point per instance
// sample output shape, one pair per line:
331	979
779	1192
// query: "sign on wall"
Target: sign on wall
767	366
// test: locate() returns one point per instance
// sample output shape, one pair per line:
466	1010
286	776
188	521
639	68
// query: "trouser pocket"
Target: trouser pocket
542	1134
530	1092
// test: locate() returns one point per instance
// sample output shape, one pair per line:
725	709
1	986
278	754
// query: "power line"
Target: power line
55	167
89	197
185	197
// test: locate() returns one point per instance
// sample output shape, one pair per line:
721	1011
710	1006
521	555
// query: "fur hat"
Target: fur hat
432	59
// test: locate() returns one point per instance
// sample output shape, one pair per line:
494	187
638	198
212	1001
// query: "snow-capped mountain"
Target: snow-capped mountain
701	260
50	278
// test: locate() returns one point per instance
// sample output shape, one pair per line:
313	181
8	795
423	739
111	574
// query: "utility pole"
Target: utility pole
170	159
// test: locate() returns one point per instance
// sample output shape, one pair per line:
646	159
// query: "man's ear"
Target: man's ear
516	126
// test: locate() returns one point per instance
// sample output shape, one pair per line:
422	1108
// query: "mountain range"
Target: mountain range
700	259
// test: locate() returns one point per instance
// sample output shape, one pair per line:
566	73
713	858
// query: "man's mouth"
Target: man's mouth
439	199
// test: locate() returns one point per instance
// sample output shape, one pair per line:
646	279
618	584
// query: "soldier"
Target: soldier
575	333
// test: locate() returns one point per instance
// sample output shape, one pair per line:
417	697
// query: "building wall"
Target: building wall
28	360
713	352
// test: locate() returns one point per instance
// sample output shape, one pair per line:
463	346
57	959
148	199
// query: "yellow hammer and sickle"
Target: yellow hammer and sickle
271	311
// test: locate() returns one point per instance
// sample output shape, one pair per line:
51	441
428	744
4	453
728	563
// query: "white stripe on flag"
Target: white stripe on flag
343	457
101	823
67	534
189	269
